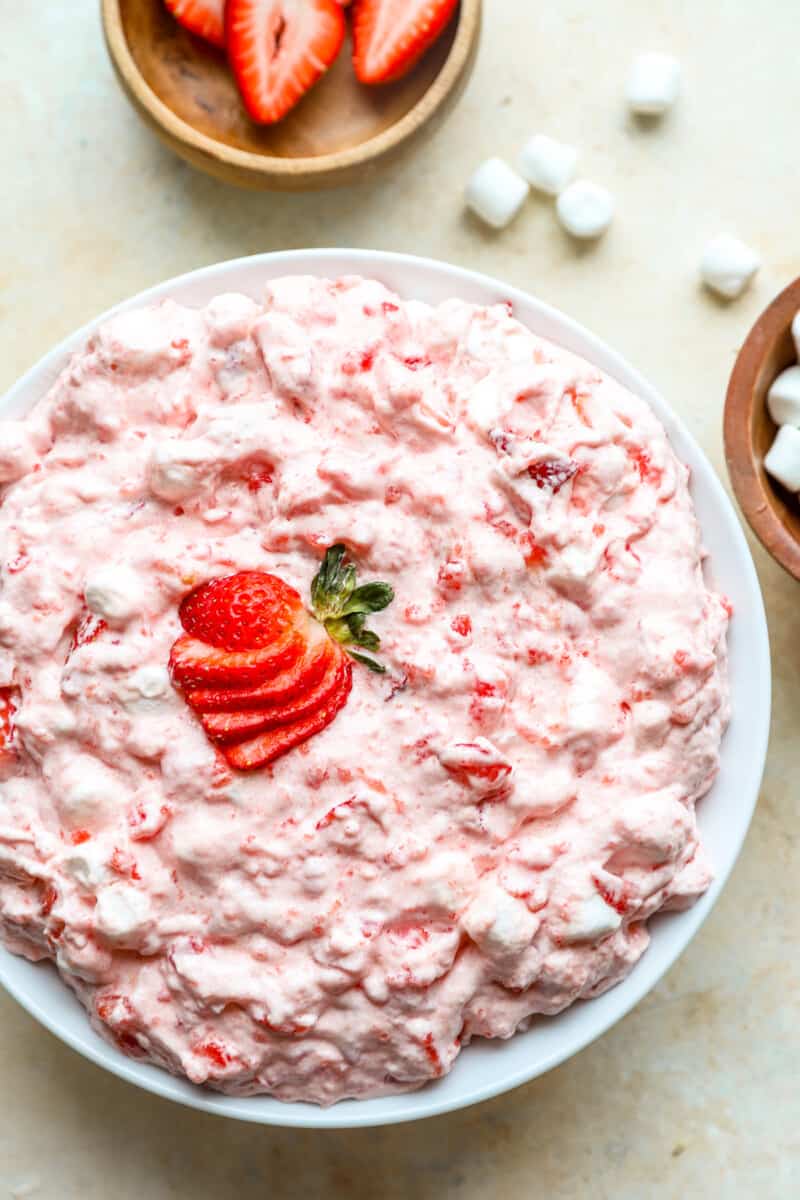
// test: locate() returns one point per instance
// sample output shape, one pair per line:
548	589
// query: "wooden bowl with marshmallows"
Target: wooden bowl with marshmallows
762	429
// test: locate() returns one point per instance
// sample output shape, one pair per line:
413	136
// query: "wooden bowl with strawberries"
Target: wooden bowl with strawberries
291	94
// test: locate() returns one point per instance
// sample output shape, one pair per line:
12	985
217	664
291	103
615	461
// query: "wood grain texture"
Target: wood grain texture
185	91
773	513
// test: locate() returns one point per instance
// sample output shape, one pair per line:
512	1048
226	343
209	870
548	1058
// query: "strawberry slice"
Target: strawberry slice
193	663
245	611
279	48
390	35
304	674
236	726
258	751
206	18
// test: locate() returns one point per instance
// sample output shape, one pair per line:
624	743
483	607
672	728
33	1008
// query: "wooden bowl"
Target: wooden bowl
185	91
773	513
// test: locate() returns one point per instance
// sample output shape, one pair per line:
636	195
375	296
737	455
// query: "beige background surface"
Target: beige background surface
696	1093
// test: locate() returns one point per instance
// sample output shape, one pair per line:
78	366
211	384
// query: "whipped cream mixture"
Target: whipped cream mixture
482	832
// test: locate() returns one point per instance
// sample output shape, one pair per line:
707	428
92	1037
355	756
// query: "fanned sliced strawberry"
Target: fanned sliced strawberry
253	661
279	48
193	663
236	726
241	612
304	674
390	35
265	748
206	18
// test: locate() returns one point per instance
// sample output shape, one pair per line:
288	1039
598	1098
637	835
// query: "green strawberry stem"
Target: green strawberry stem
342	607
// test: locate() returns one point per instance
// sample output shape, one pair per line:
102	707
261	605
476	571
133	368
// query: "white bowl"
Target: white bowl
484	1069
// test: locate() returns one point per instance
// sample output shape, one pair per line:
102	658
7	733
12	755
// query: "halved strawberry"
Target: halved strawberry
265	748
279	48
236	726
193	663
390	35
206	18
245	611
304	674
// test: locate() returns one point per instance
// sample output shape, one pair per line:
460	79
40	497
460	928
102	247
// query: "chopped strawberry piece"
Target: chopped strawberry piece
114	1009
206	18
80	836
146	819
241	612
452	574
268	746
390	35
8	706
88	628
124	864
647	472
478	765
432	1053
462	625
236	726
278	49
615	892
532	552
552	473
258	475
215	1053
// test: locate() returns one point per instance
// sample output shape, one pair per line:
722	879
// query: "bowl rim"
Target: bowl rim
748	478
309	168
606	1009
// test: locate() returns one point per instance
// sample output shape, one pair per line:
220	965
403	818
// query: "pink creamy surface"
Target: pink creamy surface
482	833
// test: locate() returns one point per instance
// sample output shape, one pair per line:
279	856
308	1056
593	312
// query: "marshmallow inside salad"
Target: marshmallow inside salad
483	830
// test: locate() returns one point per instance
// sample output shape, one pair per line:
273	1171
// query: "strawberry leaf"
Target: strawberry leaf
342	607
370	597
369	663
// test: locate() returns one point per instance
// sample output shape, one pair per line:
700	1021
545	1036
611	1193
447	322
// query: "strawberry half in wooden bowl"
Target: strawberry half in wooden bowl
235	113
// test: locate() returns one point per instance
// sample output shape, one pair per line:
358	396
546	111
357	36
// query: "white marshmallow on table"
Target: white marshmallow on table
585	209
783	460
653	84
727	265
783	398
547	164
496	192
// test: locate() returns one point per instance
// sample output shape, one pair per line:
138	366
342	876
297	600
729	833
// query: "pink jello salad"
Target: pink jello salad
482	832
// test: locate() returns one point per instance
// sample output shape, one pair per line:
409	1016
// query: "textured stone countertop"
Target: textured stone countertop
696	1092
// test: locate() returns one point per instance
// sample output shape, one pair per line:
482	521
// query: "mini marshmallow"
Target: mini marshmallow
547	164
727	265
86	790
653	84
151	682
122	911
783	459
88	865
496	192
590	920
783	398
585	209
114	593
